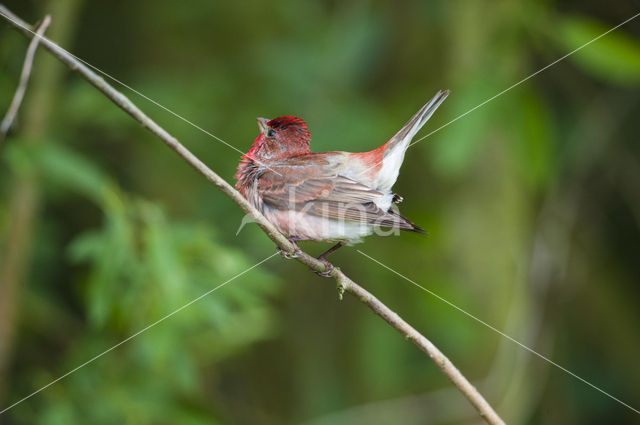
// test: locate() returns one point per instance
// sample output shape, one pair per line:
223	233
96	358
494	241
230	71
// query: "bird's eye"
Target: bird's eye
271	133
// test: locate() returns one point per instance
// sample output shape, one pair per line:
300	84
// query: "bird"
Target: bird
338	197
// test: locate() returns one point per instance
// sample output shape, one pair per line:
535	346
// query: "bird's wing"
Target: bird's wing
334	197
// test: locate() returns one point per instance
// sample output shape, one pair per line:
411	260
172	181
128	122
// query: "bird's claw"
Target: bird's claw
288	256
327	272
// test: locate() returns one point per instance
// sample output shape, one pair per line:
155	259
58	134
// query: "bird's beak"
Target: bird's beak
262	125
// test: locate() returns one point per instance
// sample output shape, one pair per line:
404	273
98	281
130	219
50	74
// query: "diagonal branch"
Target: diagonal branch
345	284
12	112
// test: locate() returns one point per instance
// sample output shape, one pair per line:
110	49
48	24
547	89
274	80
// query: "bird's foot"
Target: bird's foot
287	256
397	198
328	271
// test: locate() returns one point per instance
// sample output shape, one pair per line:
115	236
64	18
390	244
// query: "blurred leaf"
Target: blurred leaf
462	138
20	157
531	136
614	58
61	167
87	106
161	253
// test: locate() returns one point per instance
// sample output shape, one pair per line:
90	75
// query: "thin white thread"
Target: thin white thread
136	91
525	79
514	85
499	332
91	360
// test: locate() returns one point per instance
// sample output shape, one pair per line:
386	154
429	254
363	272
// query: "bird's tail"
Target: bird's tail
403	137
393	151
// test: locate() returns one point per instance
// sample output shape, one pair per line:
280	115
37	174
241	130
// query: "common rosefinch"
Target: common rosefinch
326	196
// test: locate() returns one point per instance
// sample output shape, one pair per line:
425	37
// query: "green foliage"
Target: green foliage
614	58
140	267
532	122
453	158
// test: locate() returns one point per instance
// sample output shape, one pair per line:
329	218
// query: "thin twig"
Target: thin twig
12	112
344	282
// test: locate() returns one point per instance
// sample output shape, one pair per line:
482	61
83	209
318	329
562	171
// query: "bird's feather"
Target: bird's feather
393	151
334	197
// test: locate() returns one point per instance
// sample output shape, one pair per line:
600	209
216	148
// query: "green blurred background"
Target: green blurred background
532	204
